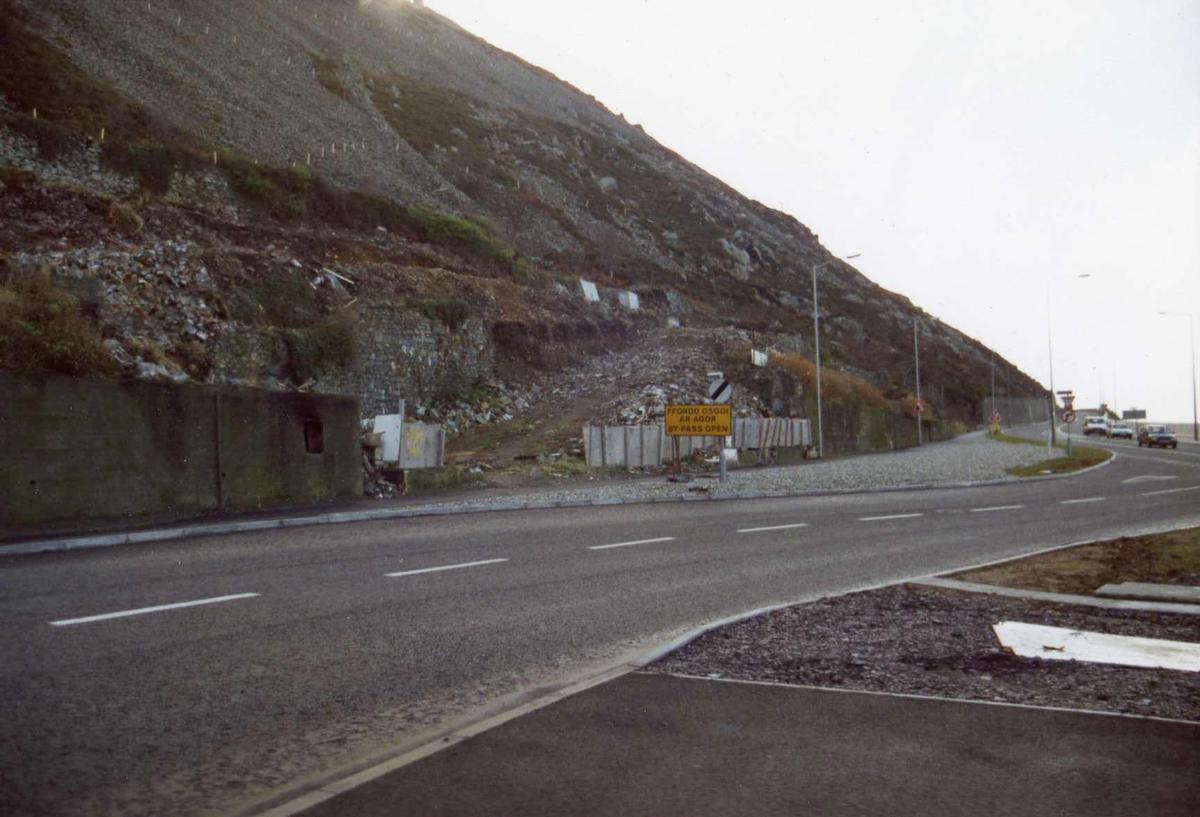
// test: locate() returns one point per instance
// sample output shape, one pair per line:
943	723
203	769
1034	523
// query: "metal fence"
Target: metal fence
409	445
1015	411
648	445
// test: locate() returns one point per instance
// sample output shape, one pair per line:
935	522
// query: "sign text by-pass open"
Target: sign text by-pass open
699	421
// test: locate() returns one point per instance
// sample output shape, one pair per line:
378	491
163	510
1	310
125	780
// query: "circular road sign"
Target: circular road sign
1067	416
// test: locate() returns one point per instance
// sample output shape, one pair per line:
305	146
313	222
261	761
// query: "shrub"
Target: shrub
327	75
280	192
330	345
151	163
451	230
449	311
52	140
835	385
356	210
43	329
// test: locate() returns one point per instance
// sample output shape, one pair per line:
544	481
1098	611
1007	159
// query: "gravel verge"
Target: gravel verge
971	458
925	641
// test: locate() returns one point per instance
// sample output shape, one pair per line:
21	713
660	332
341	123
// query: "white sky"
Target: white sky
971	151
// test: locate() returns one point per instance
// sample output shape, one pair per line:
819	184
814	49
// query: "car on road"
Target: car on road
1157	435
1095	425
1122	430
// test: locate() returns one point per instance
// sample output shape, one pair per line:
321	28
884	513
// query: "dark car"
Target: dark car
1157	435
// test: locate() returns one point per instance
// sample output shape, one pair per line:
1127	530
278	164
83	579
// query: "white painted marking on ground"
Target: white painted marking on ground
997	508
1081	501
1172	491
1147	478
141	611
892	516
1059	644
631	544
774	527
444	567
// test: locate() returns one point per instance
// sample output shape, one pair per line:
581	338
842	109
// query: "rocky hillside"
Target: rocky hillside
363	197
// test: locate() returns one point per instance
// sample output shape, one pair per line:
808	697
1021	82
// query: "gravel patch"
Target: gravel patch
924	641
970	458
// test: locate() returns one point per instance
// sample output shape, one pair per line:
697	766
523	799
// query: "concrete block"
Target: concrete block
1151	592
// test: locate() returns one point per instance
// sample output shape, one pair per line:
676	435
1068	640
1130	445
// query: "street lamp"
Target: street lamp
817	349
1050	350
1191	319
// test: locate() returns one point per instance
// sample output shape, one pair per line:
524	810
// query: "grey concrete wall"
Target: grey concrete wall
73	449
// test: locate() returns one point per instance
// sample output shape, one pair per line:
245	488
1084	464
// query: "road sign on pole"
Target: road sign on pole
1067	416
719	389
700	421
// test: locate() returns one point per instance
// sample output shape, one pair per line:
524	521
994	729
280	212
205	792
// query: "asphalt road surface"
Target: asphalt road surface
203	676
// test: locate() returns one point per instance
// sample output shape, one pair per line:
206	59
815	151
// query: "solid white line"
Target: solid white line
630	544
1081	501
893	516
774	527
444	567
143	610
997	508
1172	491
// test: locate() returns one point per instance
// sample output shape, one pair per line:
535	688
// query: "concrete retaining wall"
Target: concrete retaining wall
73	449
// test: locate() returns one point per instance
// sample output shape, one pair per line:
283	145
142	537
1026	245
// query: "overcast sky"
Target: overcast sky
976	153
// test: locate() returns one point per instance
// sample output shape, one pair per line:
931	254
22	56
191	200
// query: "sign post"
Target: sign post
1068	413
701	421
720	391
995	421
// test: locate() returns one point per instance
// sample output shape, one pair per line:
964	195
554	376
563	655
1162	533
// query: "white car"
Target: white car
1095	425
1123	430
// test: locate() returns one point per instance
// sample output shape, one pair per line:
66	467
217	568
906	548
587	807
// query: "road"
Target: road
201	676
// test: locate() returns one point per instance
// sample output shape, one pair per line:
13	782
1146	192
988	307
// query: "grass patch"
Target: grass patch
565	468
1082	456
45	328
451	230
441	480
281	192
1165	558
835	385
328	346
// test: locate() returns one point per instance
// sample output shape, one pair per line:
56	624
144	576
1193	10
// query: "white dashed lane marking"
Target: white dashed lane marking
141	611
891	516
445	567
631	544
774	527
1082	501
1172	491
997	508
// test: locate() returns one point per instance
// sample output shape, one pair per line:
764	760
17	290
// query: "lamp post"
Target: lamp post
1191	319
917	365
817	349
1050	350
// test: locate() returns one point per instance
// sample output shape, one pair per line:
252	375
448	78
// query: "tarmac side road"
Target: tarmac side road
658	744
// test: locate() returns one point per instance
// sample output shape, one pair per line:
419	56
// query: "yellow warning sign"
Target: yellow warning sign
699	421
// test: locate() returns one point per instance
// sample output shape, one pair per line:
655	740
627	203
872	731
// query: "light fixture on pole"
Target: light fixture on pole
1191	319
920	408
817	349
1050	350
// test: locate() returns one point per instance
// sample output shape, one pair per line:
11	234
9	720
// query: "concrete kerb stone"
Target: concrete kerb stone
1062	598
343	517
